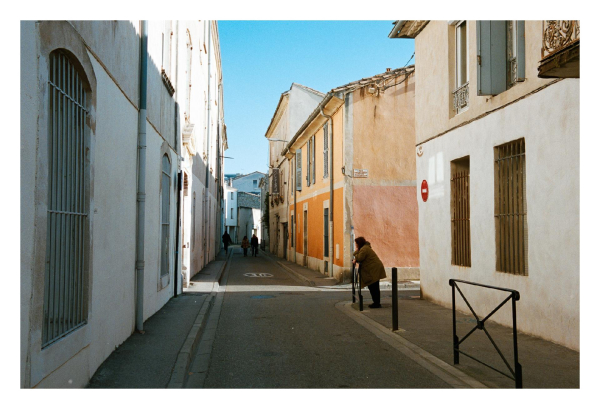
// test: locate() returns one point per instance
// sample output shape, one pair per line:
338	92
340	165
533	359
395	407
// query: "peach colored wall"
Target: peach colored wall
384	133
387	216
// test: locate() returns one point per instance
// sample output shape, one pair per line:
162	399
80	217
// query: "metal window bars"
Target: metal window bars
461	225
516	374
510	208
64	277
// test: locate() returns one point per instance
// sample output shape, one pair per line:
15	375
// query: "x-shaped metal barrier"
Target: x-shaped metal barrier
516	373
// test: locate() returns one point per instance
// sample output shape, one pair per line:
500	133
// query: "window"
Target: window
66	271
231	195
308	163
299	170
500	55
460	210
313	160
325	151
255	184
292	240
231	214
194	220
326	232
165	194
461	71
510	208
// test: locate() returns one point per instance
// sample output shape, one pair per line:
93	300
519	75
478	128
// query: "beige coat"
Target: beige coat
371	268
245	243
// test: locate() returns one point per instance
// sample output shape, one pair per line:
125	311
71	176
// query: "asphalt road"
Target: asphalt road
274	332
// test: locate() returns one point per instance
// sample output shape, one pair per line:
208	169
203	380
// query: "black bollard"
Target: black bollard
394	299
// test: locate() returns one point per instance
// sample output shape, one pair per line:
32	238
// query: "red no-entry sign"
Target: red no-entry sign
424	190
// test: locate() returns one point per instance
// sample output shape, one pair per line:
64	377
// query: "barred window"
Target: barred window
460	209
510	208
165	187
65	304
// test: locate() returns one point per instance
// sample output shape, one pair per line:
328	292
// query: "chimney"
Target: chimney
388	69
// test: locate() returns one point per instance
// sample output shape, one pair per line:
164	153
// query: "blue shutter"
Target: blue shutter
491	57
520	50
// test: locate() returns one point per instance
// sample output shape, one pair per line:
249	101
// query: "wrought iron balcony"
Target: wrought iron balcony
560	49
461	97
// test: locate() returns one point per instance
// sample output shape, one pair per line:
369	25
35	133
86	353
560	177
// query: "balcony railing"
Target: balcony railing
461	97
559	34
560	49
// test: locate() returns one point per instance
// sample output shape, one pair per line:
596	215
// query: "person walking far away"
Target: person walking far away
371	269
254	242
245	245
226	241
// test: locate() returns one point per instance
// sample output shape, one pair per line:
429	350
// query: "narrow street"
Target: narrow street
274	332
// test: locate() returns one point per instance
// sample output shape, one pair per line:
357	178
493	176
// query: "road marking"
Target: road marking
449	374
258	275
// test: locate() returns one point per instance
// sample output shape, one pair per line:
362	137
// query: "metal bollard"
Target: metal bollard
394	299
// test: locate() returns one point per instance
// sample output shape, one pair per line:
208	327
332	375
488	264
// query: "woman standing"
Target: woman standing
371	269
245	245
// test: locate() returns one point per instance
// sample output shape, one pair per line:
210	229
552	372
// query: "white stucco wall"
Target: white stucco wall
549	122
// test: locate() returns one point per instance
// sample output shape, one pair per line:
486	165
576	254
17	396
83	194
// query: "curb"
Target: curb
298	275
184	357
448	373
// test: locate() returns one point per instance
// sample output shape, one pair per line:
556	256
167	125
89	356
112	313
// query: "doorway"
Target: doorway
305	263
285	240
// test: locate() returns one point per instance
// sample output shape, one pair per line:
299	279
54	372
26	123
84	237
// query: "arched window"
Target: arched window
165	199
65	274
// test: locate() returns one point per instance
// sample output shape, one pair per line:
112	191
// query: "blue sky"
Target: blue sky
261	59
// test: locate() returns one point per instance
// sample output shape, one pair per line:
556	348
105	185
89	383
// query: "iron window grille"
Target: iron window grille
165	210
460	209
511	208
67	215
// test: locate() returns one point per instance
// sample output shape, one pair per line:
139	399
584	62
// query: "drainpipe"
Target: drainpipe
207	153
331	255
141	187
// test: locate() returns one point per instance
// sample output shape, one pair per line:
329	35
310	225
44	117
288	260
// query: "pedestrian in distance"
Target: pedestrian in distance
254	243
245	245
371	269
226	241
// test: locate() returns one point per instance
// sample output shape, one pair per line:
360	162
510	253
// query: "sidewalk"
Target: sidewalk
159	358
428	326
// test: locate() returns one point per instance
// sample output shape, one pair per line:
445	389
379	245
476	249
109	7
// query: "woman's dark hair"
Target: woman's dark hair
245	237
360	241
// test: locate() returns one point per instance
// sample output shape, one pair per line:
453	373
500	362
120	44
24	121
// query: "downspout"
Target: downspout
331	255
295	207
141	182
175	71
208	125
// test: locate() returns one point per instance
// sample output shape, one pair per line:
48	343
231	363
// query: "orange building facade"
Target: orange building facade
352	172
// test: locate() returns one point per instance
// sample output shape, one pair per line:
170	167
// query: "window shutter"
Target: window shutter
491	57
299	170
313	171
308	156
520	50
325	151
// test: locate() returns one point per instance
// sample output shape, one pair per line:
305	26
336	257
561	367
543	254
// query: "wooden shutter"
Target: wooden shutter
299	170
325	151
491	57
313	170
520	50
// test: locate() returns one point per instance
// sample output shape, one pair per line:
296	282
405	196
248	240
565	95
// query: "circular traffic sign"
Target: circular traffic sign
424	190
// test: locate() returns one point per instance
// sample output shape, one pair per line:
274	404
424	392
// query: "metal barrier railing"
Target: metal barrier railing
517	373
355	283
